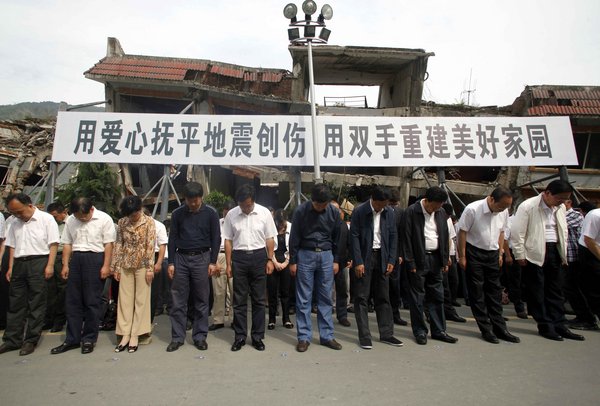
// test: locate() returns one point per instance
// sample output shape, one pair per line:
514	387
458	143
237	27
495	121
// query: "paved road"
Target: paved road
535	372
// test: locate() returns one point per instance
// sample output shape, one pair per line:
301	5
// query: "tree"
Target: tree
96	181
217	200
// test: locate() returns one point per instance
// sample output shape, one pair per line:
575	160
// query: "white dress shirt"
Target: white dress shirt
483	226
89	235
161	236
431	234
376	227
249	231
591	227
33	237
452	235
549	221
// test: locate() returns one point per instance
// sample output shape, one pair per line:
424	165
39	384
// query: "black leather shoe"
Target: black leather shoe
568	334
456	304
552	336
522	315
56	328
345	322
173	346
506	336
399	321
334	345
27	349
87	348
445	338
238	344
202	345
5	348
455	317
302	346
490	337
64	347
258	344
214	327
421	339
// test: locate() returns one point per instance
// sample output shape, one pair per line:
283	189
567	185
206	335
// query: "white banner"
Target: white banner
287	140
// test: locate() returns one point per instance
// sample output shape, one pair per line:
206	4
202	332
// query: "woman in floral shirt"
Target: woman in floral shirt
133	266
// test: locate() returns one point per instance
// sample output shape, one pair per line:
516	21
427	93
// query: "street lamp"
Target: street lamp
309	27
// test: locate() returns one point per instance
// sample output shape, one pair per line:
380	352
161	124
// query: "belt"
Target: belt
551	243
249	252
192	253
431	252
315	249
376	249
30	258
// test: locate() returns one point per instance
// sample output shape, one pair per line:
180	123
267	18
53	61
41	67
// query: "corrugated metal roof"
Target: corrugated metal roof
563	111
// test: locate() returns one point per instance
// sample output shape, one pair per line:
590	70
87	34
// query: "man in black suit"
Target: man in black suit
426	250
373	242
341	287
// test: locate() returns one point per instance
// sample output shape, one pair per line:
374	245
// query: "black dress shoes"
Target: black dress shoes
27	349
5	348
173	346
64	347
214	327
238	344
345	322
334	345
506	336
399	321
87	348
202	345
455	317
258	344
552	336
490	337
443	336
421	339
302	346
522	315
568	334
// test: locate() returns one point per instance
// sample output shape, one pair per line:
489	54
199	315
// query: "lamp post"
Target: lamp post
309	26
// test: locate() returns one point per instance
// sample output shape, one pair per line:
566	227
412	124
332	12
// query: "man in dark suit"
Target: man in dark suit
398	276
426	250
373	242
341	287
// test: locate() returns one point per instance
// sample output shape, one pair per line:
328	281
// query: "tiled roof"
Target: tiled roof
546	100
139	67
548	110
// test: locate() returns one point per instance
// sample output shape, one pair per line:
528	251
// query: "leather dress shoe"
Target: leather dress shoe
238	344
334	345
202	345
568	334
522	315
87	348
64	347
173	346
302	346
27	349
421	339
5	348
445	338
345	322
258	344
214	327
552	336
507	336
456	304
455	317
490	337
399	321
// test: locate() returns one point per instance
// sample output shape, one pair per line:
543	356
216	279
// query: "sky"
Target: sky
46	46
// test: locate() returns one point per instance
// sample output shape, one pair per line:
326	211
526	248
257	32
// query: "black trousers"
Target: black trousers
427	290
84	297
514	284
27	302
3	291
376	282
249	277
57	290
395	292
341	295
278	285
544	286
485	290
573	289
590	278
450	281
158	297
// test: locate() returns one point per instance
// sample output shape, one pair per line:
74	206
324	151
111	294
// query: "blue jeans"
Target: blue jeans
314	272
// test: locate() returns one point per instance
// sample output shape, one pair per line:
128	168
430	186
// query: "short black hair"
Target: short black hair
448	209
193	189
395	195
21	197
586	206
129	205
500	192
436	194
321	193
559	186
380	194
56	206
81	205
244	192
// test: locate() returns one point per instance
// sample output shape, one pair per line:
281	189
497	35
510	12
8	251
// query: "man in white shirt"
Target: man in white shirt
249	232
3	269
589	250
32	242
539	238
88	240
480	244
